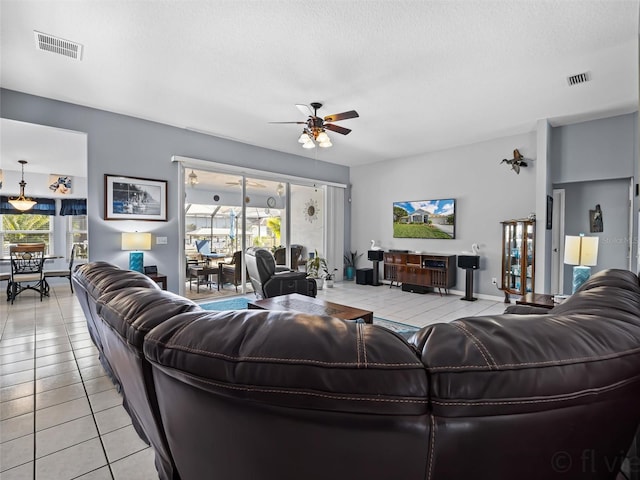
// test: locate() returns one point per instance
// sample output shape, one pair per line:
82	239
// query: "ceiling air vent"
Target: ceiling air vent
577	79
49	43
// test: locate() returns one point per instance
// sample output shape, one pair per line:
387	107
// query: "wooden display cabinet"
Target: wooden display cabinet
518	257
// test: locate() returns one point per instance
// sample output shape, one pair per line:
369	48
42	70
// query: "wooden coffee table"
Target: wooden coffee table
313	306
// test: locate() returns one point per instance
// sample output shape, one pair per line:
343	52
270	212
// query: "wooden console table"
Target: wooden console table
421	269
537	300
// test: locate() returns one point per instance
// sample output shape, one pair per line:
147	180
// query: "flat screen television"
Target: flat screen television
425	219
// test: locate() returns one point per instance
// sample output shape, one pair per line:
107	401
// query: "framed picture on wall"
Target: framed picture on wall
131	198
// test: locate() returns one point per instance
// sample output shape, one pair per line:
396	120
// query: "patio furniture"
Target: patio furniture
231	272
202	275
280	255
204	249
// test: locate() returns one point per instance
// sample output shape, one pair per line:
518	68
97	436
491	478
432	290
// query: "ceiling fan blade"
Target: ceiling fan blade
337	129
341	116
298	123
305	109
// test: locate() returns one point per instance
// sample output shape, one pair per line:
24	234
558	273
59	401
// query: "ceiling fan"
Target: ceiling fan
249	183
315	126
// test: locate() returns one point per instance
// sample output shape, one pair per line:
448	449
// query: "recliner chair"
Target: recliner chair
268	282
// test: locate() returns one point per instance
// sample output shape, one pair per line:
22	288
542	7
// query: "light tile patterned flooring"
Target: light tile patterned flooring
60	416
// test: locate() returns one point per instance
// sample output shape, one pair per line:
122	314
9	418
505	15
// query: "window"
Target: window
18	228
77	233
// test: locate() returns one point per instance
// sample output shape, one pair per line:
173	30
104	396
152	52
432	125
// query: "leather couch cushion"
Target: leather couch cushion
133	312
98	278
522	363
292	359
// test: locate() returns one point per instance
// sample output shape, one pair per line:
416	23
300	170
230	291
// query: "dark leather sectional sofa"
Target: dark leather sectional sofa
246	395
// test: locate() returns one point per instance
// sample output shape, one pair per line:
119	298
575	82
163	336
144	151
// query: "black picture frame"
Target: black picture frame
549	212
133	198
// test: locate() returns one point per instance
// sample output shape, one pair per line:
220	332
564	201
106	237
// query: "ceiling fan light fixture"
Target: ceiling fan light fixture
304	138
22	203
309	144
322	137
193	179
326	144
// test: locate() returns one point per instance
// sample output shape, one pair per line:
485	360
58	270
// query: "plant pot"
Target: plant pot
329	283
350	273
319	282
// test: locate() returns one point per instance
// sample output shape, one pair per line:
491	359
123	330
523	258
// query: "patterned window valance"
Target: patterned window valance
45	206
73	206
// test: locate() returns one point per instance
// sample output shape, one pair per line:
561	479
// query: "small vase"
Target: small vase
319	282
329	283
350	272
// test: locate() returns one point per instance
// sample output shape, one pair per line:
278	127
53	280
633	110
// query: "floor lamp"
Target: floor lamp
582	252
135	242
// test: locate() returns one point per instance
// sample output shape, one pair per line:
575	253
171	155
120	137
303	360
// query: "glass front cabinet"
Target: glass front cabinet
518	257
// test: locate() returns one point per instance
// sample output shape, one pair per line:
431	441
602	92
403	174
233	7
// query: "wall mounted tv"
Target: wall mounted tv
425	219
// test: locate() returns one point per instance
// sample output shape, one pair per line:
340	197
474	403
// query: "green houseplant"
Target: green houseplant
350	263
316	269
330	277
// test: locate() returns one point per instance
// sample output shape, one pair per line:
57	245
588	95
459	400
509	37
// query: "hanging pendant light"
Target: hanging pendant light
22	203
193	179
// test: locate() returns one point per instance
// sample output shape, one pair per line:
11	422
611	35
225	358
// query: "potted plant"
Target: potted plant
329	277
350	263
316	269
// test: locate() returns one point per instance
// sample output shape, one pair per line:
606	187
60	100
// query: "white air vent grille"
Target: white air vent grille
579	78
49	43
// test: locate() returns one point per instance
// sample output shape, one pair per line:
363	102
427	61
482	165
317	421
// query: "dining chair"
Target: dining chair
27	260
65	273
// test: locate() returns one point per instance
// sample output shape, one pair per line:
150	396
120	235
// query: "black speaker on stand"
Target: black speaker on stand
469	263
376	256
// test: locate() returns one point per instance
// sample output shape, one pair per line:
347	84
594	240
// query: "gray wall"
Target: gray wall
613	197
595	150
486	193
588	152
123	145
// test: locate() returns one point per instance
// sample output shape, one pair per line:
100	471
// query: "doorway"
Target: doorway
575	201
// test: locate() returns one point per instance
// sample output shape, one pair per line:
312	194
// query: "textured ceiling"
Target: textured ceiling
423	75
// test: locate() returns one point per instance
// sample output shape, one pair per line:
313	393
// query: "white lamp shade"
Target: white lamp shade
136	241
581	250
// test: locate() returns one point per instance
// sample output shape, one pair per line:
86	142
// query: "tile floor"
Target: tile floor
60	416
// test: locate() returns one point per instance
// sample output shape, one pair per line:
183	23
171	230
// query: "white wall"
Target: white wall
486	193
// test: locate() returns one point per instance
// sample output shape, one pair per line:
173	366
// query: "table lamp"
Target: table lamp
136	241
582	252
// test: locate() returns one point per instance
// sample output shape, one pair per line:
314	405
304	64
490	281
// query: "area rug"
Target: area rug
235	303
240	303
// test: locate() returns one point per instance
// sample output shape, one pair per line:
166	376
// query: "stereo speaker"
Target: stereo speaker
469	261
375	255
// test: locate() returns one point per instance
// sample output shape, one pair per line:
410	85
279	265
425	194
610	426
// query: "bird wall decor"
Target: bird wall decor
516	162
